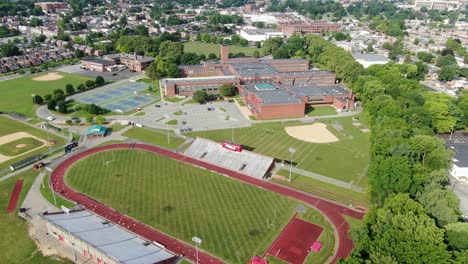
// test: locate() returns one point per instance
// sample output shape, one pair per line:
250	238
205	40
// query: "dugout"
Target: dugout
25	162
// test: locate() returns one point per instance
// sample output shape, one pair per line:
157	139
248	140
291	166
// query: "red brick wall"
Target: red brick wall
281	111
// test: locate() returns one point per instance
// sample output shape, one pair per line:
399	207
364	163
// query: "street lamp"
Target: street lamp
198	242
291	150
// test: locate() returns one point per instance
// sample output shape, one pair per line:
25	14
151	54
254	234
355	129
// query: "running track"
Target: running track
333	211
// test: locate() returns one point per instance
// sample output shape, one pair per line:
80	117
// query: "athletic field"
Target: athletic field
184	201
207	48
345	160
17	93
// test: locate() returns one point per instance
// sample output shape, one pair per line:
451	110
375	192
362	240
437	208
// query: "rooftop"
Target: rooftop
273	95
369	57
315	90
253	69
96	130
109	238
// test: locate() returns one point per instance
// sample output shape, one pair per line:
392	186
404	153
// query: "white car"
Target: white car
50	118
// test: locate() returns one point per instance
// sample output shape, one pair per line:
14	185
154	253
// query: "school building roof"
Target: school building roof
96	130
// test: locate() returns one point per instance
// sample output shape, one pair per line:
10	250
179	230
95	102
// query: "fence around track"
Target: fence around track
332	211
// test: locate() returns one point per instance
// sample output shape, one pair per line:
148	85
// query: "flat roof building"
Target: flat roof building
300	27
102	241
370	59
260	34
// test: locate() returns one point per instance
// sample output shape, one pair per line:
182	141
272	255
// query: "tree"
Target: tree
272	44
51	104
170	50
89	119
190	59
442	204
47	97
227	90
79	54
212	56
89	84
456	234
141	30
94	109
62	106
402	232
99	80
152	71
200	96
37	99
443	61
81	87
100	119
425	56
69	88
448	73
172	70
37	11
68	121
256	54
9	49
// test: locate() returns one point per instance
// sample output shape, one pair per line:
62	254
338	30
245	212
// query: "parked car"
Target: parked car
231	100
50	118
75	118
38	165
157	106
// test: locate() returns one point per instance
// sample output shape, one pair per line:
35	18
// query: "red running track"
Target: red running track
333	211
14	196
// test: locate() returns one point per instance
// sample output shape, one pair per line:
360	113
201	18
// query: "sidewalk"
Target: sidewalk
322	178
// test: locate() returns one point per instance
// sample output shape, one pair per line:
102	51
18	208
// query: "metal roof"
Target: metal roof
253	69
315	90
273	96
369	57
109	238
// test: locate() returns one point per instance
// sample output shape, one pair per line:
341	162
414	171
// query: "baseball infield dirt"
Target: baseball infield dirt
51	76
315	133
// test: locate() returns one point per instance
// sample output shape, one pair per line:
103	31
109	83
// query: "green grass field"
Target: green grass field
11	149
345	160
9	126
17	93
16	246
157	137
207	48
324	189
184	201
320	111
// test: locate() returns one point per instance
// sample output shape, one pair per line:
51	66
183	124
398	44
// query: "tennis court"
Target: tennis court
122	98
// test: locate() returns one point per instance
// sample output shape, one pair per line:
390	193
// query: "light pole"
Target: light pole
291	150
198	242
48	139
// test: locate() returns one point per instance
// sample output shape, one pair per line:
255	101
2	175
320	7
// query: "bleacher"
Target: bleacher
245	162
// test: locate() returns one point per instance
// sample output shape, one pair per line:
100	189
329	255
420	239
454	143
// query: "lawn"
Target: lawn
16	245
345	160
47	194
172	122
320	111
11	148
207	48
324	189
185	201
157	137
17	93
9	126
115	127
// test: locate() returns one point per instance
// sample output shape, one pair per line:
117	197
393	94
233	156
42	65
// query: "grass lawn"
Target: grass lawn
240	102
47	194
172	122
345	160
117	127
139	114
173	99
157	137
9	126
16	245
207	48
324	189
11	149
185	201
177	113
17	93
320	111
110	142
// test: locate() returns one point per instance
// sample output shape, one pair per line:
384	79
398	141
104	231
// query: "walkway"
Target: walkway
319	177
333	212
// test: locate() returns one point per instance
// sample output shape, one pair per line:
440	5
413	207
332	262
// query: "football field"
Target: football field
234	220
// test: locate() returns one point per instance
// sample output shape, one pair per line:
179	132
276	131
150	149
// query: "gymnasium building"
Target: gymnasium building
270	88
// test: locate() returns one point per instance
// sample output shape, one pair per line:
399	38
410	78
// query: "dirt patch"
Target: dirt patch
315	133
365	130
21	146
278	177
356	124
51	76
